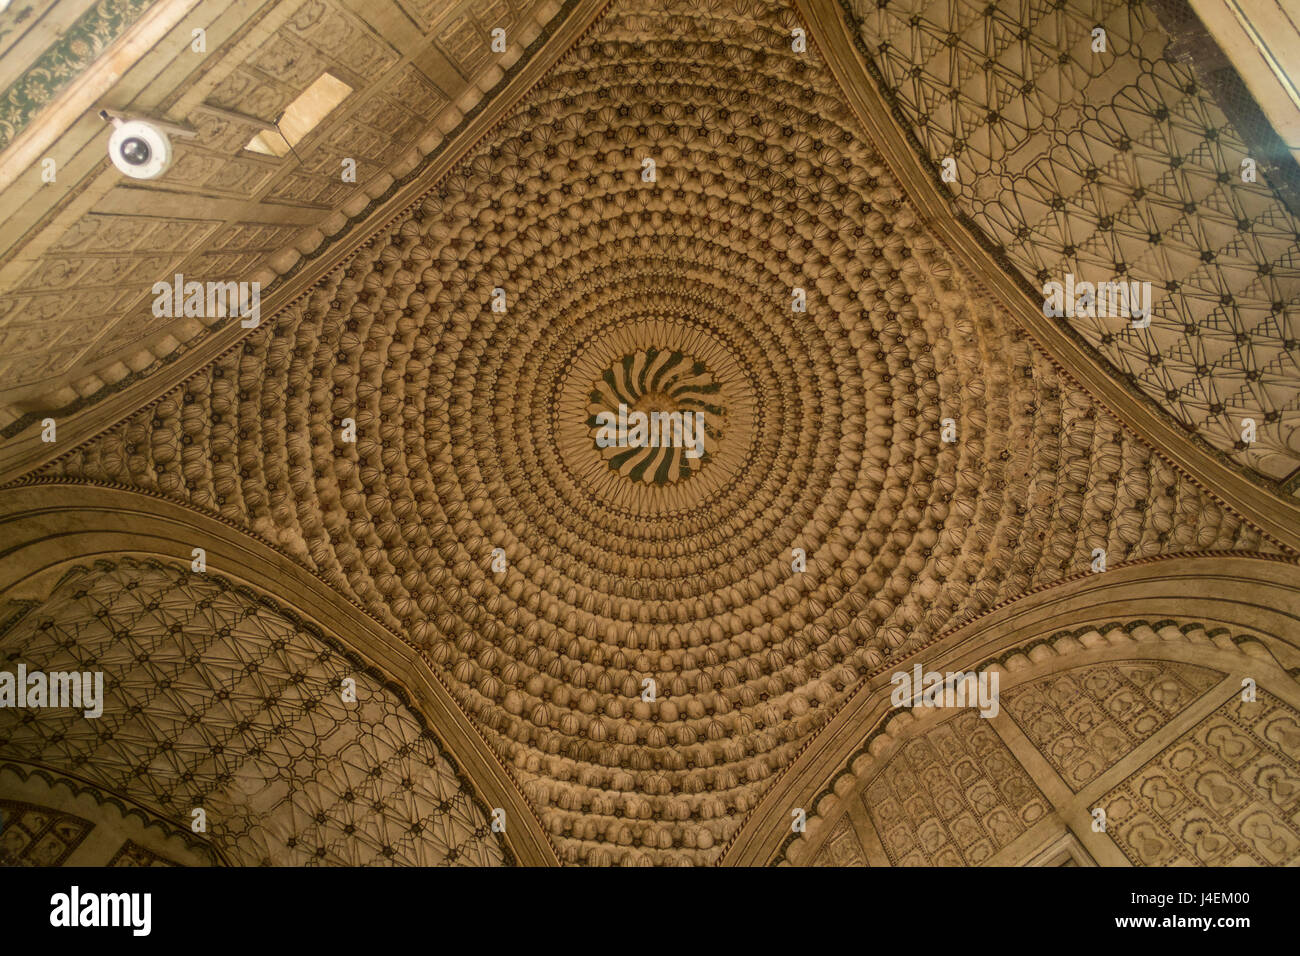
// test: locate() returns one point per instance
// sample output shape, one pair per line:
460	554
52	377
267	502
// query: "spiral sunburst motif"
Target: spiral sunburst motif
667	382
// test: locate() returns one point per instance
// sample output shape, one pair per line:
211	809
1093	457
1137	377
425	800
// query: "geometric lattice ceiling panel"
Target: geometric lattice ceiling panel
1112	166
822	432
214	701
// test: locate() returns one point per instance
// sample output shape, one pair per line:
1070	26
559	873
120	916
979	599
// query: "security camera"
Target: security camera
139	148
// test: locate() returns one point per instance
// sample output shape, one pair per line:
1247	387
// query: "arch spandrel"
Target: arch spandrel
252	611
1119	166
1143	717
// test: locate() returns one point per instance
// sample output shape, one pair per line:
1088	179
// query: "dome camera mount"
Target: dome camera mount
141	147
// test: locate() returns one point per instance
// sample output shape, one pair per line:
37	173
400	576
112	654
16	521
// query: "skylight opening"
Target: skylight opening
301	116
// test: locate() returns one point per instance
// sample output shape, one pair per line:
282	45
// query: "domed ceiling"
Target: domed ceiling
685	216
